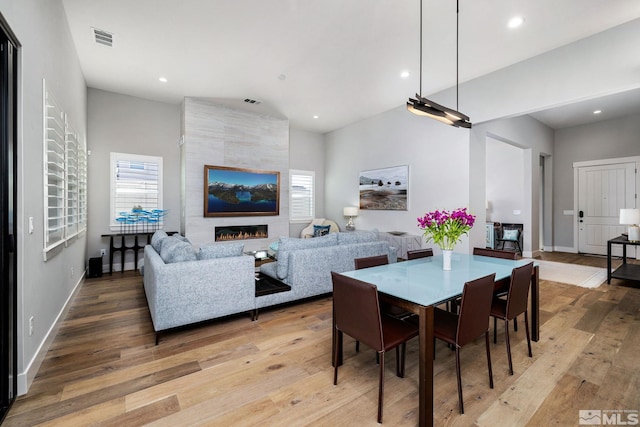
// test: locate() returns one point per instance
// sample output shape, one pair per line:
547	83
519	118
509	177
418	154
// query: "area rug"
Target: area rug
572	274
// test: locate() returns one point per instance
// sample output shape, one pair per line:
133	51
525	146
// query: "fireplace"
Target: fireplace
241	232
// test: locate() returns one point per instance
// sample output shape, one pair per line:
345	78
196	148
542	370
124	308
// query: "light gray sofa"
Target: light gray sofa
184	286
306	264
192	290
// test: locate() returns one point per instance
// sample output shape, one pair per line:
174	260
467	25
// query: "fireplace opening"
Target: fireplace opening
241	232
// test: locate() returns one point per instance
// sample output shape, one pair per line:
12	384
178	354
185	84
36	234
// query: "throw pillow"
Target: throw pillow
221	250
510	234
156	239
175	250
321	230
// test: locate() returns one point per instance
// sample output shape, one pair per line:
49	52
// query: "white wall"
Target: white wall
535	139
46	52
602	140
306	152
126	124
505	181
438	159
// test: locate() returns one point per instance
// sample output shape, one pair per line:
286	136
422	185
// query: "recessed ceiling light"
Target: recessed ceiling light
163	79
316	117
597	112
515	22
405	74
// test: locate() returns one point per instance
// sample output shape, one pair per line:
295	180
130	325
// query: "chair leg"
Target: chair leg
337	336
357	346
515	323
495	327
460	404
506	337
486	338
381	388
401	350
526	328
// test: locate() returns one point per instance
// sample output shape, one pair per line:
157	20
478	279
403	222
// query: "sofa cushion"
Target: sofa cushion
221	250
182	238
288	244
157	238
175	250
321	230
358	236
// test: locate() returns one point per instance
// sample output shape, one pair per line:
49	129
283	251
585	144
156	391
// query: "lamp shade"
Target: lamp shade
630	216
350	211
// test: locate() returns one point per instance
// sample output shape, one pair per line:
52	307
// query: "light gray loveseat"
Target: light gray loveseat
306	264
187	290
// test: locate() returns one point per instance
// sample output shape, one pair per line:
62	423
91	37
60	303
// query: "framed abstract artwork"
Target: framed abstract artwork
230	191
384	189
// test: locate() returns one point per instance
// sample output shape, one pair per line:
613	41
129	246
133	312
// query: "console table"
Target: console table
137	245
625	271
402	242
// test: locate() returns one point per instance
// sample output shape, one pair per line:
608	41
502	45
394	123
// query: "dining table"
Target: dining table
419	285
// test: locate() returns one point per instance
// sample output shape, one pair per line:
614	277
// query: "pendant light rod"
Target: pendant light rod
457	54
420	47
424	107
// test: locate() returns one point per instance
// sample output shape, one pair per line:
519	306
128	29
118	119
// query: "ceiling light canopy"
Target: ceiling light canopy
424	107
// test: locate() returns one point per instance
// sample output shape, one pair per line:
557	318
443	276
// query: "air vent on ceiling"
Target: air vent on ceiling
252	101
103	37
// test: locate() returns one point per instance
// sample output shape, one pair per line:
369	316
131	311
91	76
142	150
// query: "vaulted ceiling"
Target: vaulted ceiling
339	60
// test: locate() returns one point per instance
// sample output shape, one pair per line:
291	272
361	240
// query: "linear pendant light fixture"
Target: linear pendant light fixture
424	107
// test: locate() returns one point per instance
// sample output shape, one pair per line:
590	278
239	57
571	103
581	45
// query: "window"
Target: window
136	181
301	193
54	174
65	178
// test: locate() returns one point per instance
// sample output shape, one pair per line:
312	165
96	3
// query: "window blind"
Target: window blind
136	182
302	206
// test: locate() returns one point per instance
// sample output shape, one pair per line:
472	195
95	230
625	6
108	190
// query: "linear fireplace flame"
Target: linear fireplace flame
241	232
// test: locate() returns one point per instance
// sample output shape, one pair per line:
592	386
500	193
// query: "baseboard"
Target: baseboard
565	249
25	379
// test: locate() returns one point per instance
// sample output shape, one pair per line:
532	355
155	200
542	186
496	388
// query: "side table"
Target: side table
403	242
625	271
137	245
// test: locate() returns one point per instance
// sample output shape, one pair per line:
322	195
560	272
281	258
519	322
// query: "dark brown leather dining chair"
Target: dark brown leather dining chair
471	322
371	261
356	312
501	287
516	303
495	253
419	253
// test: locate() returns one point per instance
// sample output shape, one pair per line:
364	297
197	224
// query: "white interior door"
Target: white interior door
602	192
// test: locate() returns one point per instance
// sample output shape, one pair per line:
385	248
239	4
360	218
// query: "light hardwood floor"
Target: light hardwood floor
104	369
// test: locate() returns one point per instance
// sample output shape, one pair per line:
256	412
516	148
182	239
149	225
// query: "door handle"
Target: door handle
581	215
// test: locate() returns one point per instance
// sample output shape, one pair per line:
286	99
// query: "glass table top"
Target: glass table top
423	281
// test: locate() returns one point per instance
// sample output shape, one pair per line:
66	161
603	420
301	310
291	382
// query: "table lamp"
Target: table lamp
350	211
631	217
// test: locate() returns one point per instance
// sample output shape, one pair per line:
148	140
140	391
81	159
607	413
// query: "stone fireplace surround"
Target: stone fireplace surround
215	134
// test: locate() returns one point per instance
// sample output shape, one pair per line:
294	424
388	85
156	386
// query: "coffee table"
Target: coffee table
266	285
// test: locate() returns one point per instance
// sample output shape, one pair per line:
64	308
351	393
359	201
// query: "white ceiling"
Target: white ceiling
338	59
